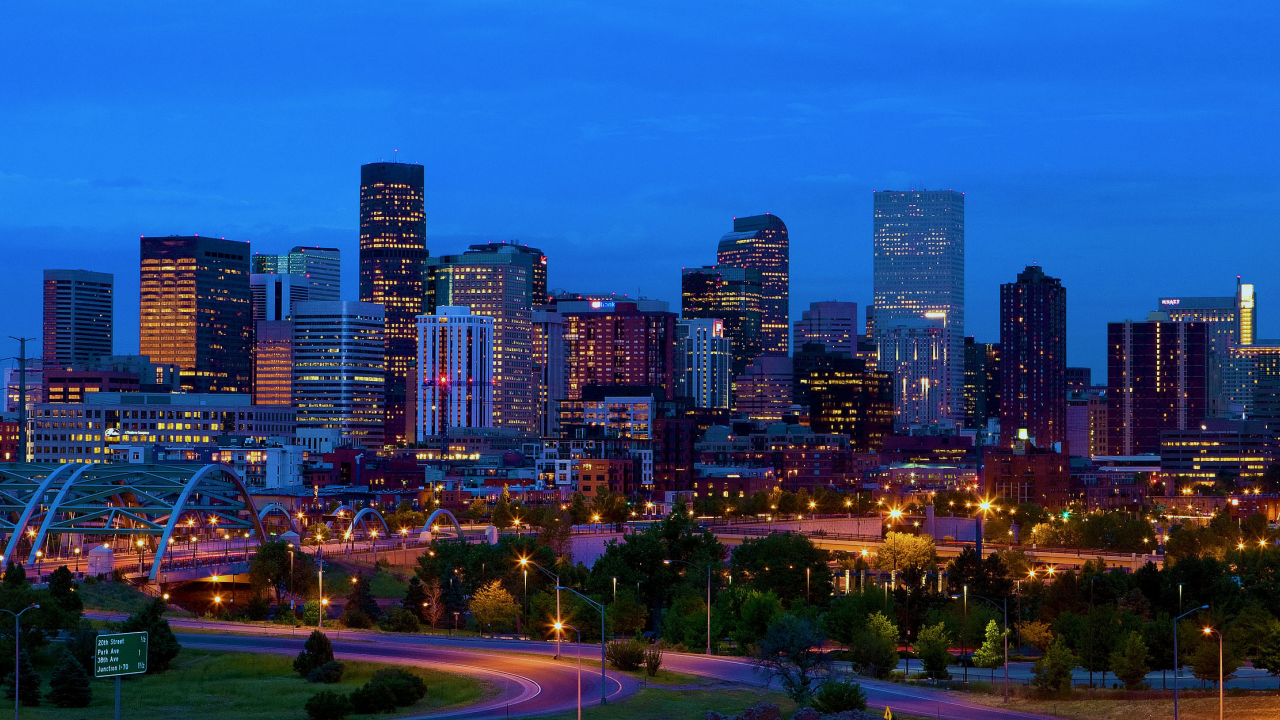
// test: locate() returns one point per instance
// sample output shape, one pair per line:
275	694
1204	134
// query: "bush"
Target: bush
399	619
316	652
837	696
388	690
652	660
625	655
327	674
328	705
370	699
69	687
354	618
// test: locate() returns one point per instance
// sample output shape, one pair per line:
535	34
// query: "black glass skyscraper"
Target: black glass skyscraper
393	246
761	242
1033	340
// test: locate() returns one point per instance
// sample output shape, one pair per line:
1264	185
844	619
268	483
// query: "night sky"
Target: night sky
1128	147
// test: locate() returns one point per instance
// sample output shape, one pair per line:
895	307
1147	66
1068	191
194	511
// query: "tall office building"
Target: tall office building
918	239
393	246
732	295
1229	322
704	356
274	295
1033	339
832	324
1155	381
1251	373
917	352
537	263
613	341
496	281
550	368
763	392
761	242
339	368
981	383
78	317
847	399
273	362
455	362
321	266
195	311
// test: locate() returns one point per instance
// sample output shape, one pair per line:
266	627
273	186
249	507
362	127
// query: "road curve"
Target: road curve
529	682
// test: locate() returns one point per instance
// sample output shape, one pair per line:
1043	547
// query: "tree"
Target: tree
754	615
1052	672
932	645
476	510
791	650
789	565
62	586
1129	662
328	705
991	654
415	599
434	609
316	651
501	516
82	643
69	686
29	681
1268	657
1036	634
270	566
611	507
839	696
579	513
162	645
876	651
361	610
1204	662
493	606
901	551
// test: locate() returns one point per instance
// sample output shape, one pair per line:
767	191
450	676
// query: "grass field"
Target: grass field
113	597
205	685
1244	707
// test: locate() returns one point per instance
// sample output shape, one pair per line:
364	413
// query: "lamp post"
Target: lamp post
708	570
555	576
17	642
1177	664
599	607
1004	608
559	626
1208	631
77	552
321	601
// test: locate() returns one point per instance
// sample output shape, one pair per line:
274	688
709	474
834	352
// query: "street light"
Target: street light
559	626
1177	664
708	570
17	635
1207	631
599	607
1004	609
555	576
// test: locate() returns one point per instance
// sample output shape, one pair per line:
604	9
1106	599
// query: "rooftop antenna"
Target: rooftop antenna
22	395
395	155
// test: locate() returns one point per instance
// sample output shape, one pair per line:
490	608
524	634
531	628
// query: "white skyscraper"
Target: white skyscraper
455	366
704	356
918	353
918	239
339	368
322	266
275	294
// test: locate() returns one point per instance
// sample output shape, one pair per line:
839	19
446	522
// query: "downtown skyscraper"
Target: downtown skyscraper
78	317
393	248
761	243
1033	339
321	266
455	369
918	273
195	311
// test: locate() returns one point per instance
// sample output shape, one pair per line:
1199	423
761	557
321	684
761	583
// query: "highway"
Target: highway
529	681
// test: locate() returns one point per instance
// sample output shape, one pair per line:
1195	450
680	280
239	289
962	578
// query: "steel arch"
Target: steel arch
277	507
181	506
432	517
386	530
20	493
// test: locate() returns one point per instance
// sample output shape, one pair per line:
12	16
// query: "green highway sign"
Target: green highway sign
120	654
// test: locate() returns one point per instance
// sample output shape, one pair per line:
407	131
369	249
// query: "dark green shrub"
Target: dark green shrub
401	620
316	652
388	690
837	696
370	699
69	686
327	674
625	655
29	682
328	705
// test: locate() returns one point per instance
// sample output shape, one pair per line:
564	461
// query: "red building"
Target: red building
619	342
70	386
673	454
1155	381
617	475
1027	475
9	450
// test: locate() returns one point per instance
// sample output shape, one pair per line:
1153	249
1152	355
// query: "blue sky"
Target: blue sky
1128	146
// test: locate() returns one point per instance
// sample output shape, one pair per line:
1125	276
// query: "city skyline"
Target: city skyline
649	163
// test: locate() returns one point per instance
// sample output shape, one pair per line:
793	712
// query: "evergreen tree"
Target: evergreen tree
579	513
1052	673
315	652
361	609
82	643
69	686
29	679
62	587
163	647
415	599
1129	662
991	654
501	516
15	578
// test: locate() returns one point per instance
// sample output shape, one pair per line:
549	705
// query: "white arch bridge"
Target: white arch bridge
174	516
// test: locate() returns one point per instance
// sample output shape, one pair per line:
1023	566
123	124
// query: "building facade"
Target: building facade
918	239
832	324
322	267
735	296
704	356
917	353
763	392
761	243
393	247
550	368
981	383
1239	451
79	317
1033	342
455	362
848	399
339	368
195	311
619	341
1229	322
1155	381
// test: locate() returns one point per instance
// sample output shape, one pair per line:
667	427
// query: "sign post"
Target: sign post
120	654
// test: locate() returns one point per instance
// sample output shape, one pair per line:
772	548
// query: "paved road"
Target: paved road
531	683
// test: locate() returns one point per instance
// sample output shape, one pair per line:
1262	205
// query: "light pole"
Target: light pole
1207	631
320	600
1004	608
708	570
599	607
526	562
1177	663
17	637
559	626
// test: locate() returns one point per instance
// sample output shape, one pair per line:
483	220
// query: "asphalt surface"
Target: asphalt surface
530	682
